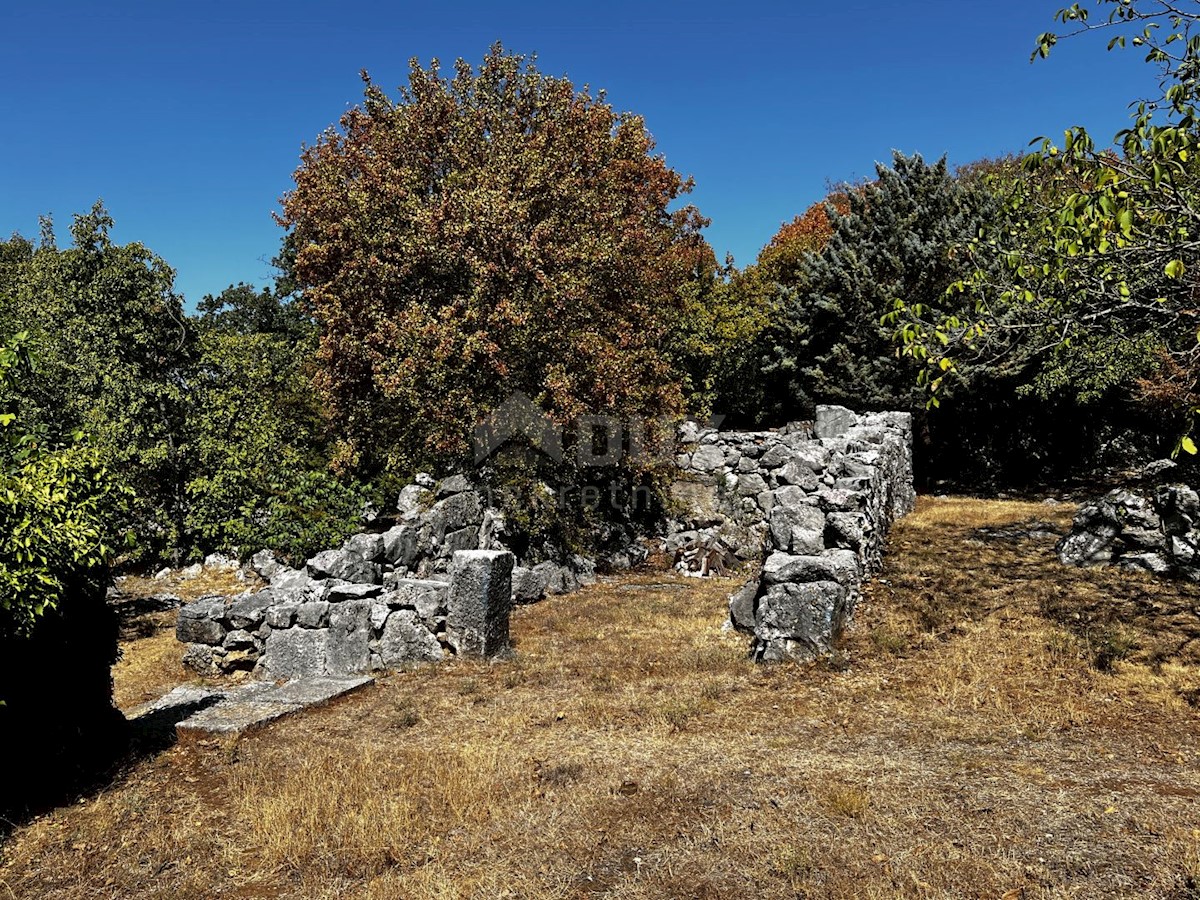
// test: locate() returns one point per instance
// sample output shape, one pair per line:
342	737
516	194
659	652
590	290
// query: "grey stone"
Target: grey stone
455	484
414	499
454	513
251	705
462	539
247	611
346	651
295	653
405	639
265	565
529	585
344	565
775	457
795	526
708	458
783	567
313	614
281	615
559	579
425	480
493	529
339	593
479	602
795	473
400	546
751	485
845	530
741	606
1154	563
199	658
368	546
238	640
833	421
200	622
379	613
1159	468
291	582
809	615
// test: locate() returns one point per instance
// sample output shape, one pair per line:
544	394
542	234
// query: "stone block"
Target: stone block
405	639
295	653
346	651
479	602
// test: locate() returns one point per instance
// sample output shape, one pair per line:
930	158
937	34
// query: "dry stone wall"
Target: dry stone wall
1154	529
340	619
810	505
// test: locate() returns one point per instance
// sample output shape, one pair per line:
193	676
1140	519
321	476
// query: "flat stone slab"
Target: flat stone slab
234	709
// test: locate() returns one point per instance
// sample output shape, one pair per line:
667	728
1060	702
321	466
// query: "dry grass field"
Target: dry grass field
995	725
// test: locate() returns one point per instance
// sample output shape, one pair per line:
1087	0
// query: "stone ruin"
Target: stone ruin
806	507
382	599
810	505
1156	530
334	625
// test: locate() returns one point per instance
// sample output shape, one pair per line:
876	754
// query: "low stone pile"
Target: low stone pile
339	618
1155	530
812	504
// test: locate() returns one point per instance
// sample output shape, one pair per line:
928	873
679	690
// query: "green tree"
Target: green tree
52	496
259	469
494	232
895	239
1100	253
114	348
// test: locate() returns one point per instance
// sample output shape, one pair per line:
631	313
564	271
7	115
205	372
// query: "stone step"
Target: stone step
220	710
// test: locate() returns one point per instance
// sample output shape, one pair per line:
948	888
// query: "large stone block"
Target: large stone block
344	565
406	639
833	421
295	653
200	622
479	602
248	610
346	650
806	618
400	546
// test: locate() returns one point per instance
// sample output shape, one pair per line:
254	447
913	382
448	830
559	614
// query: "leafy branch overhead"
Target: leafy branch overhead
1101	244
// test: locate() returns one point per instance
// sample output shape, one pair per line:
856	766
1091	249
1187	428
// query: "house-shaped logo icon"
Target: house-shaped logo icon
518	416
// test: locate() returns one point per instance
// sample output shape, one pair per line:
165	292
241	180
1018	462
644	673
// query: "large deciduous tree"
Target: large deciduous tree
492	232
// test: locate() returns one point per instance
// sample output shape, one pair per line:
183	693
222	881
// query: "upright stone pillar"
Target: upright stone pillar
479	602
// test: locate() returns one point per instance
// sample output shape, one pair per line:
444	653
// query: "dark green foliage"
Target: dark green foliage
57	635
897	240
259	474
113	349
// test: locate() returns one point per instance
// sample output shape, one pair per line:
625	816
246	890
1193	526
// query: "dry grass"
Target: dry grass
150	663
996	726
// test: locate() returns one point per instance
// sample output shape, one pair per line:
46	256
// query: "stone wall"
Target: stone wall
810	505
1153	529
340	617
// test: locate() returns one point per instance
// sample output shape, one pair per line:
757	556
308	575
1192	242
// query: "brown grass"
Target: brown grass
996	725
150	663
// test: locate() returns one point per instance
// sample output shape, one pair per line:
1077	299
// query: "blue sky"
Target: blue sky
188	118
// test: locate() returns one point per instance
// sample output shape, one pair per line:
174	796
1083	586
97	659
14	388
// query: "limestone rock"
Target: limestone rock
295	653
200	622
479	602
405	639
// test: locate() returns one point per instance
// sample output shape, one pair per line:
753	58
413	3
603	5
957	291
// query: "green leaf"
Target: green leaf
1175	268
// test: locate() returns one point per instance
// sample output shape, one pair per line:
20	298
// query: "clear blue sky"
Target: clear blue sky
188	118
